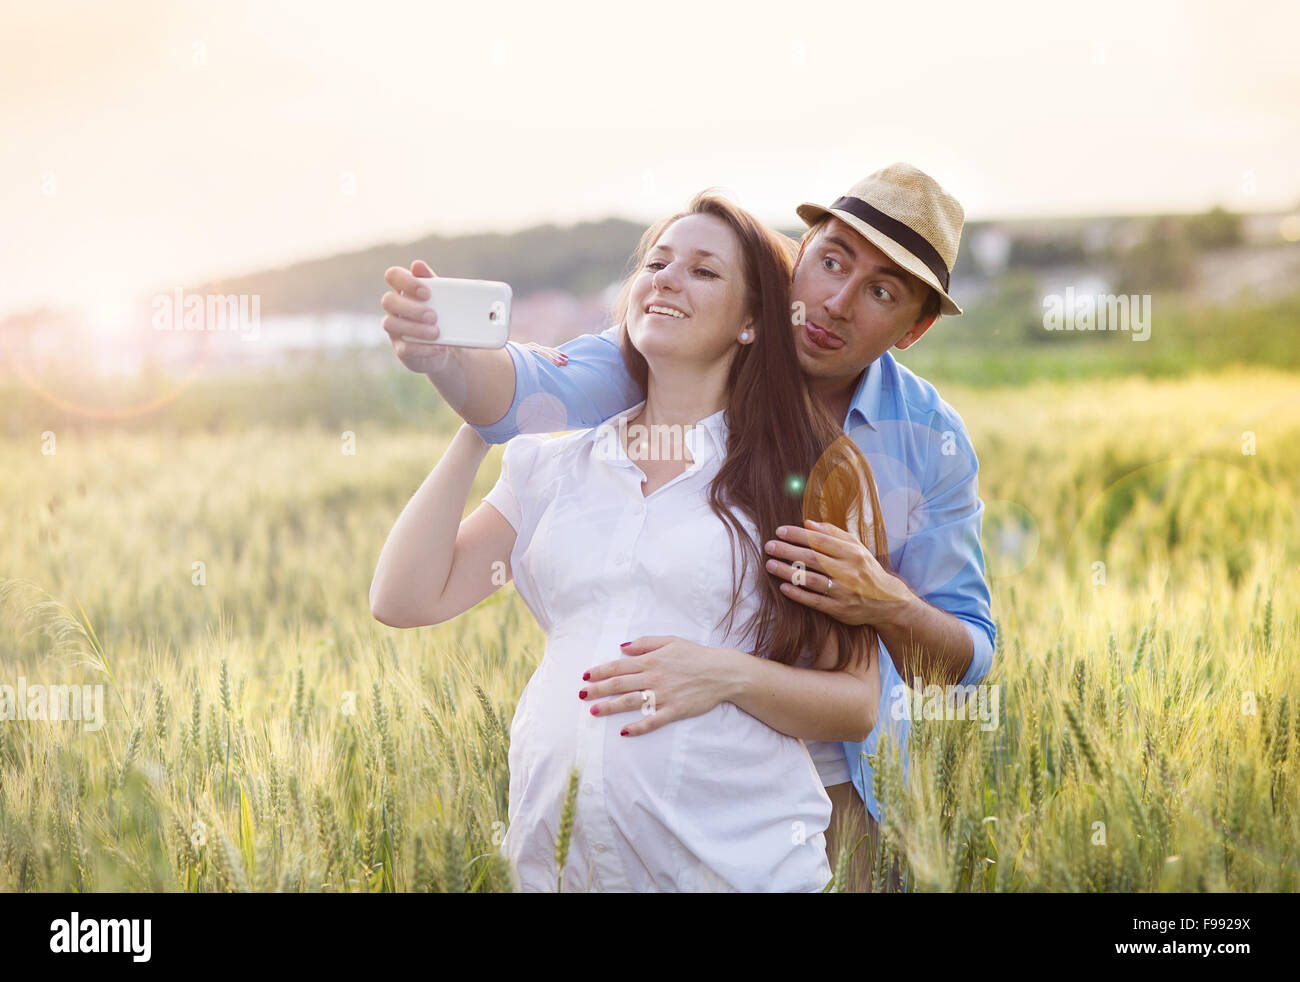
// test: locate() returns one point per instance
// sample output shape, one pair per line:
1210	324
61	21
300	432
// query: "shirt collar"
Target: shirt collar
706	439
865	405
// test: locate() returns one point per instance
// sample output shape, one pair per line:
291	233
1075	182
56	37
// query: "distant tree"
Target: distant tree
1057	250
1012	311
1216	229
1163	260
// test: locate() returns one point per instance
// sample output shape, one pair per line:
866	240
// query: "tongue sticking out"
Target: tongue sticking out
822	339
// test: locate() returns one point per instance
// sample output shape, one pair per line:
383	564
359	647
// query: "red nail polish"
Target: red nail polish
625	644
622	732
586	676
582	693
595	710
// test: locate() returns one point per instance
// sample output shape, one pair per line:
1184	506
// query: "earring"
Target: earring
745	337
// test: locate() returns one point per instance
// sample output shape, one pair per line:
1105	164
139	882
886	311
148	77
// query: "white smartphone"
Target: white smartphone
471	313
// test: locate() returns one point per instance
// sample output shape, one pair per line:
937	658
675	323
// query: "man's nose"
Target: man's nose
840	304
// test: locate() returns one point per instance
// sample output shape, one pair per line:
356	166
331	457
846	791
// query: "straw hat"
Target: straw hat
905	214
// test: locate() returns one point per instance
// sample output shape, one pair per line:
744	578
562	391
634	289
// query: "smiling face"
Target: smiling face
858	303
688	302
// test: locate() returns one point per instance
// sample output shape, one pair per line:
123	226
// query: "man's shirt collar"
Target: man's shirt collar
865	407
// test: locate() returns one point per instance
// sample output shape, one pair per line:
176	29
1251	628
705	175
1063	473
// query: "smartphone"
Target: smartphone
471	313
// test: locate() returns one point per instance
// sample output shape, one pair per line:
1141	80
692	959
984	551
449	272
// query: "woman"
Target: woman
607	540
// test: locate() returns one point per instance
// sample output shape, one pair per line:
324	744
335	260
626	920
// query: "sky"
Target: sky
147	145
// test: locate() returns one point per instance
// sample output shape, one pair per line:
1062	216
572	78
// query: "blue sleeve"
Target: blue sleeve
942	559
591	388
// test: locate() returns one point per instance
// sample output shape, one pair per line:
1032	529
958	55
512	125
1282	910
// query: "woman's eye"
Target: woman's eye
654	264
706	272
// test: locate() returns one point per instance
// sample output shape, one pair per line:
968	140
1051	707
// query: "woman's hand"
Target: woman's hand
409	315
684	678
554	355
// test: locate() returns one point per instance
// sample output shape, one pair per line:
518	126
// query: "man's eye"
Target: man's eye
882	294
828	262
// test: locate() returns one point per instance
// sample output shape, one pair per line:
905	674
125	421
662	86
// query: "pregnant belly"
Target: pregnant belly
719	798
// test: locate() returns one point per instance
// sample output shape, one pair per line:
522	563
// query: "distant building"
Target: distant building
991	246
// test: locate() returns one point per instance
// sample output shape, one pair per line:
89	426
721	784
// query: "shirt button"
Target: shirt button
586	788
601	847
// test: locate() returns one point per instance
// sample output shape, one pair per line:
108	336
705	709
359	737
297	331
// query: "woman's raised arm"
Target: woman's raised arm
435	566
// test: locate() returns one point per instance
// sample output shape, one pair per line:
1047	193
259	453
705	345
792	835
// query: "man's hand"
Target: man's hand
924	642
409	315
686	679
862	591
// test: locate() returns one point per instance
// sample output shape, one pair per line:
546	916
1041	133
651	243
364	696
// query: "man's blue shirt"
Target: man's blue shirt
922	460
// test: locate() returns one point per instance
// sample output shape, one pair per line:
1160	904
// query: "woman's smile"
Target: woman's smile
665	310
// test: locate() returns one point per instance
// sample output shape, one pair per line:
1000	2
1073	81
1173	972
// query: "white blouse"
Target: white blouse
719	801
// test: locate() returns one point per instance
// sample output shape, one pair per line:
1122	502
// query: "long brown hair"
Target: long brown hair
787	460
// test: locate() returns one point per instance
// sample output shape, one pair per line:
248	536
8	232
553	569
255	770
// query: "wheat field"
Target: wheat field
262	732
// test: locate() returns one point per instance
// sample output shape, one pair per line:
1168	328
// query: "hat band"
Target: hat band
904	235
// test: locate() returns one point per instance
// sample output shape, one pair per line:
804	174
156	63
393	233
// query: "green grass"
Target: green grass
265	733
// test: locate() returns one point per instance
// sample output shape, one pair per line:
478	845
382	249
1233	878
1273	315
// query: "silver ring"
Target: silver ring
829	583
646	695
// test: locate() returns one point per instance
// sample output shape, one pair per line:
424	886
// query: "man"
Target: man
872	273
